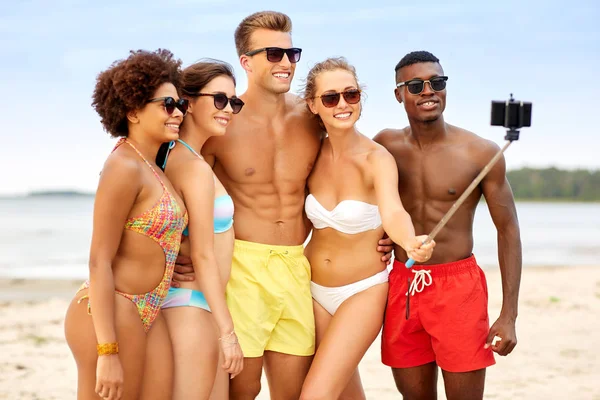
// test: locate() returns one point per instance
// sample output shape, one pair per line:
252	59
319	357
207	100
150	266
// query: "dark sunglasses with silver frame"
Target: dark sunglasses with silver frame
416	86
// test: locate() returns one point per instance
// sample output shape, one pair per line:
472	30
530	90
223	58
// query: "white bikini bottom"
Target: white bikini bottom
330	298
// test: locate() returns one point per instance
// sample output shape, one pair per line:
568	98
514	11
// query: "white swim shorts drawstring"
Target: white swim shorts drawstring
421	280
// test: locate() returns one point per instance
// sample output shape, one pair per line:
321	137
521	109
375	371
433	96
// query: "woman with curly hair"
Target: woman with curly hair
196	312
123	350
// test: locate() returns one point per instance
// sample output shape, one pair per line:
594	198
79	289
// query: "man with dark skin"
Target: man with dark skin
264	162
446	321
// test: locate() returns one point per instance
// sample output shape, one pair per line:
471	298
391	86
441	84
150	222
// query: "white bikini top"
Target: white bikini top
349	216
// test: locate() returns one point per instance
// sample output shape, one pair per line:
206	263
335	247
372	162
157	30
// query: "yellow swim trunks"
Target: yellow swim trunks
269	299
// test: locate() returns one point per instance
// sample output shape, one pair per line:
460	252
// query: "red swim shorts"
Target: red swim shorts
448	317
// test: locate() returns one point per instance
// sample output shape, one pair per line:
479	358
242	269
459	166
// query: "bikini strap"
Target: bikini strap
193	151
124	140
171	145
197	155
190	149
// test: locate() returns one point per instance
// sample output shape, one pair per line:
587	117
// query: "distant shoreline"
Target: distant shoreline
73	193
61	193
556	200
49	193
542	185
553	200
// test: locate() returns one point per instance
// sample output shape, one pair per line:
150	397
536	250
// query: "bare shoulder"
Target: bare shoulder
213	143
121	177
122	165
188	167
299	115
199	170
378	156
389	137
477	145
296	107
294	99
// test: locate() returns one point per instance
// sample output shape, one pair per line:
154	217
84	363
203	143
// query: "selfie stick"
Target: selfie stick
511	135
461	200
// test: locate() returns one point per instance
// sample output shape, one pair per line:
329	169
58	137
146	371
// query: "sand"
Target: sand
556	357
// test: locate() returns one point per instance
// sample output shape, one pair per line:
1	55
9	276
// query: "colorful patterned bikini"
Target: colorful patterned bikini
164	223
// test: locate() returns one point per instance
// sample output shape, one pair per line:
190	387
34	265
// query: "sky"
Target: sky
546	52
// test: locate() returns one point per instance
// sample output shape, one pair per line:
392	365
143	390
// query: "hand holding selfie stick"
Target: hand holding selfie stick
511	114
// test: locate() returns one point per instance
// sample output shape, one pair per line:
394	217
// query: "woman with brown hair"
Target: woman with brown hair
123	350
199	321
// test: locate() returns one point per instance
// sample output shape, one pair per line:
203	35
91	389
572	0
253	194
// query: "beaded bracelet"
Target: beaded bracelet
107	349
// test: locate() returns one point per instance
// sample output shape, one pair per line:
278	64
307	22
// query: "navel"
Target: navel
452	191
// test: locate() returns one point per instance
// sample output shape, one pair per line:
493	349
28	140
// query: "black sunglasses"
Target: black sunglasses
351	96
275	54
221	101
416	86
170	104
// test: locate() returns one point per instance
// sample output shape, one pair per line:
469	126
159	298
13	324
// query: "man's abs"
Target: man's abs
455	241
264	164
269	216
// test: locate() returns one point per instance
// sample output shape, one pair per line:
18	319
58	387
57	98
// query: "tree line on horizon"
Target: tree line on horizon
555	184
526	183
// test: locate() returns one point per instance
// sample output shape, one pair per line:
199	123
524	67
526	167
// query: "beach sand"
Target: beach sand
556	357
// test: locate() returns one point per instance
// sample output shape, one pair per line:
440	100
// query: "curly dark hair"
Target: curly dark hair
128	85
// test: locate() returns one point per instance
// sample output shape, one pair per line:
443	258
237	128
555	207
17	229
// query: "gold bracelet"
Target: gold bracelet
107	349
230	334
225	338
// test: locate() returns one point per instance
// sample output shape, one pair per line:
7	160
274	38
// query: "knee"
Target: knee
417	393
418	383
243	391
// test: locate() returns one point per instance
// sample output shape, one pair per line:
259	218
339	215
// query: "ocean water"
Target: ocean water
49	237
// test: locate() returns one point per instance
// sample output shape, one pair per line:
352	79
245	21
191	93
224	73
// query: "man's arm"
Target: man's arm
382	137
500	201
